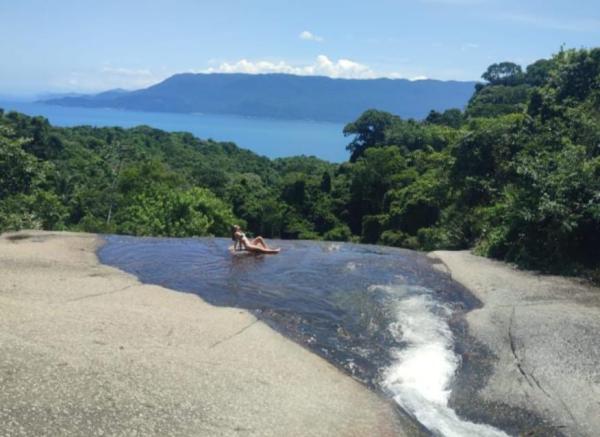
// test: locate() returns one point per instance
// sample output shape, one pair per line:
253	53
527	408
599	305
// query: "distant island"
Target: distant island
514	176
283	96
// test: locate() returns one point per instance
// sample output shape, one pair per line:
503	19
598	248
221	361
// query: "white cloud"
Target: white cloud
396	75
110	76
309	36
322	66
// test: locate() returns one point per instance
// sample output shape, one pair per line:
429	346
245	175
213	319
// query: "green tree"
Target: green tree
503	73
195	212
450	117
368	130
538	73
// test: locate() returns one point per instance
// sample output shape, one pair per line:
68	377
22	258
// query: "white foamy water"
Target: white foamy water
423	370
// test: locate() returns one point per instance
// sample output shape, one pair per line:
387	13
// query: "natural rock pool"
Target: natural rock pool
384	315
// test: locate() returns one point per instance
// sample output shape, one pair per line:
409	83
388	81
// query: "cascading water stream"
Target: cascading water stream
380	313
420	377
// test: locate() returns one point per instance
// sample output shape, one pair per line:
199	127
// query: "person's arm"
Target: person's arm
237	245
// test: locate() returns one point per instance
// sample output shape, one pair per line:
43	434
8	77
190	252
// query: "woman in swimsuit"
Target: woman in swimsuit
242	242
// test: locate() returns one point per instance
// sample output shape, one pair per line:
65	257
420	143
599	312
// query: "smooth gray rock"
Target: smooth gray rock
545	334
87	350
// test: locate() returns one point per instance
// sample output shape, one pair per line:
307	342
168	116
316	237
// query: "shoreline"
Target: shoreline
530	353
88	349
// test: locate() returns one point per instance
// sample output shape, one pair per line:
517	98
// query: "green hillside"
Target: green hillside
515	176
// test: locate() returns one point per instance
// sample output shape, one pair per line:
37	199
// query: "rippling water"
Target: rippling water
382	314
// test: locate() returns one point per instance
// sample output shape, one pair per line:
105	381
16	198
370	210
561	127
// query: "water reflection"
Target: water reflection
382	314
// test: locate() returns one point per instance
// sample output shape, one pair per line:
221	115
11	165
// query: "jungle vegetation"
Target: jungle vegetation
515	176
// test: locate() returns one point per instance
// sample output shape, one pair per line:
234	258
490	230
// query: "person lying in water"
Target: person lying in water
241	242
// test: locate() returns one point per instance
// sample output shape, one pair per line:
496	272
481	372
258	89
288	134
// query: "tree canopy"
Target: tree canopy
515	175
503	73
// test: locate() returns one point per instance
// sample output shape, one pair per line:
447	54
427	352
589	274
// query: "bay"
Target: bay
269	137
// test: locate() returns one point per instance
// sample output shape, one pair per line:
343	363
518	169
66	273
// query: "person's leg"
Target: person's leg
253	247
260	242
260	249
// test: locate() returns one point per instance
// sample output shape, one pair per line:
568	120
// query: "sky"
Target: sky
93	45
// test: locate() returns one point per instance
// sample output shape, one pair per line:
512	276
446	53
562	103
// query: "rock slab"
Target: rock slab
86	349
544	332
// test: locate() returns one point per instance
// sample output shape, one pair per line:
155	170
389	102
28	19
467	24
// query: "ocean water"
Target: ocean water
382	314
268	137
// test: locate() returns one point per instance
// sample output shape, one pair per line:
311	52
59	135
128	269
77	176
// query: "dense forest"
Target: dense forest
515	175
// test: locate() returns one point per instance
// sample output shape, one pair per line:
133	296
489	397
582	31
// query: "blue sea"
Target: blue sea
268	137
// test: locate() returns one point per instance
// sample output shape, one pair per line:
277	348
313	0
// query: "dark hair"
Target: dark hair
233	232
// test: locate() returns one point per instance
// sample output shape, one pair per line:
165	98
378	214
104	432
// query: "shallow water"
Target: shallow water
382	314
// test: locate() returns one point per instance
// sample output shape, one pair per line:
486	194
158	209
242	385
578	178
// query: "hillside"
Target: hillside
516	176
284	96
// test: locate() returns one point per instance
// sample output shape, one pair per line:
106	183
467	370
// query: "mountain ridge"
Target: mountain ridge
284	96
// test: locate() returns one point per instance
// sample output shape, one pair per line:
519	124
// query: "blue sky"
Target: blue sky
89	45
